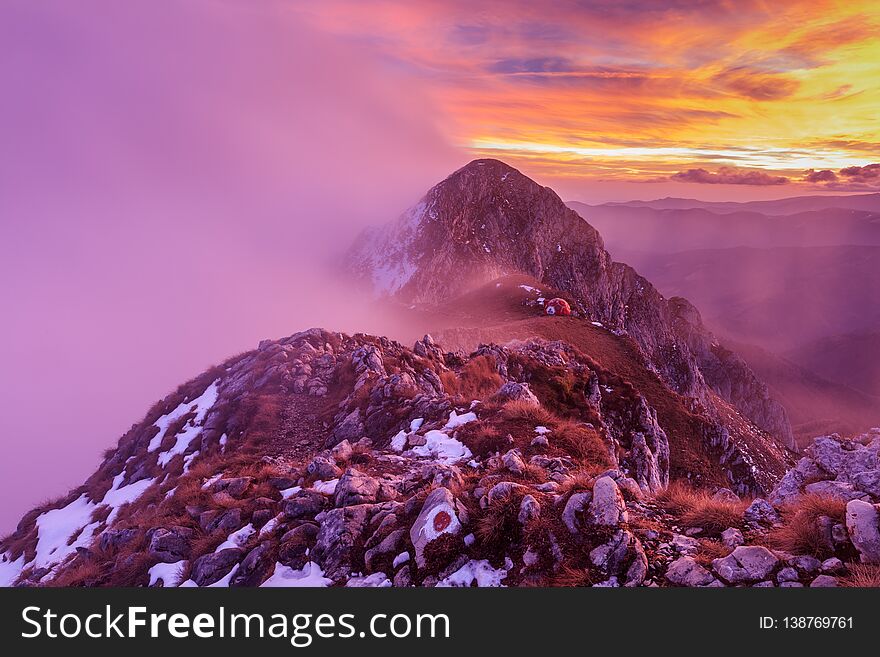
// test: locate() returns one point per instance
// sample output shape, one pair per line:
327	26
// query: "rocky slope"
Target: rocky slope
326	459
487	220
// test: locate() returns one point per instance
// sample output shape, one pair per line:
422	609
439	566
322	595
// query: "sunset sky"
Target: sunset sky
781	95
175	176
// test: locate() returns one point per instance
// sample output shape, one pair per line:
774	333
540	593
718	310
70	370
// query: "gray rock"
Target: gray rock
355	487
832	566
305	504
761	512
607	508
764	585
868	481
685	544
403	578
227	521
725	495
170	545
513	461
323	468
255	567
513	391
788	574
529	509
573	508
823	582
840	490
806	563
745	564
685	571
390	544
862	524
235	486
338	539
342	451
437	517
732	537
116	538
791	585
503	489
212	567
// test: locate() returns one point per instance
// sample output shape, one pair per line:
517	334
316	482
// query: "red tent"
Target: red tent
557	306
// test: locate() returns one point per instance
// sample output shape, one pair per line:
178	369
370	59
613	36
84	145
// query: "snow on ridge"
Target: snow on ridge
385	252
201	404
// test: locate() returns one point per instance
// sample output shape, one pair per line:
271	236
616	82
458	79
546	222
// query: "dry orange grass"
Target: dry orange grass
524	411
696	508
580	442
479	378
800	532
862	575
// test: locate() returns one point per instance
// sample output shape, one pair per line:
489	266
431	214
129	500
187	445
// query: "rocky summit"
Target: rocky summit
616	446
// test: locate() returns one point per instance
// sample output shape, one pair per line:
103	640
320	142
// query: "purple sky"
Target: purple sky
171	185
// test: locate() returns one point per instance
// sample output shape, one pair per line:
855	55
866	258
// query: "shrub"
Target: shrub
479	378
800	532
527	412
580	442
697	508
862	575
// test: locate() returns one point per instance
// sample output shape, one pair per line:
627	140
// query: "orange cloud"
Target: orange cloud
639	89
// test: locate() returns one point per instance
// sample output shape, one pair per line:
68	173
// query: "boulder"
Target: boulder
685	571
304	504
338	540
212	567
513	461
513	391
607	508
116	538
342	451
732	537
725	495
574	507
234	486
255	567
529	509
823	582
746	564
226	521
841	490
355	487
761	512
864	532
171	545
437	517
390	544
831	566
323	468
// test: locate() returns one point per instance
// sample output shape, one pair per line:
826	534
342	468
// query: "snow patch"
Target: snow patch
456	420
310	575
326	487
479	572
201	405
237	538
403	557
167	573
375	580
441	447
287	493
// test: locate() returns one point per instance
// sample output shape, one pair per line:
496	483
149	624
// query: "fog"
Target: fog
173	185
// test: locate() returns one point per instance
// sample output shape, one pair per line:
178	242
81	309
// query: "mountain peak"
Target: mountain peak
487	221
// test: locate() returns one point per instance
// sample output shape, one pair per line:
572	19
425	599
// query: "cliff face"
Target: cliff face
487	220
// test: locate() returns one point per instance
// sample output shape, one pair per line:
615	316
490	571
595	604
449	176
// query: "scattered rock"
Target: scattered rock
761	513
725	495
213	566
355	487
823	581
745	564
862	524
512	391
304	504
607	507
171	545
529	509
437	517
323	468
337	540
574	507
685	571
732	537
